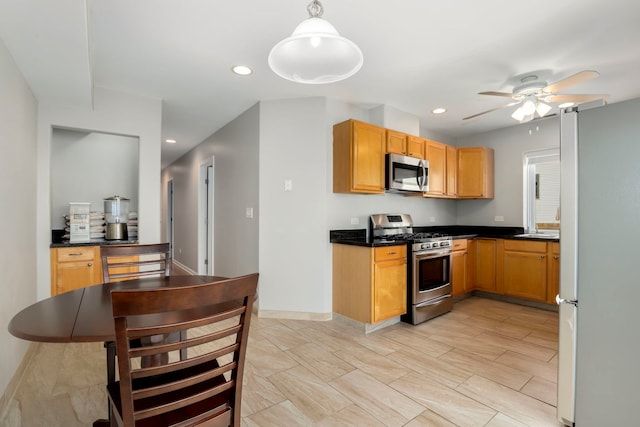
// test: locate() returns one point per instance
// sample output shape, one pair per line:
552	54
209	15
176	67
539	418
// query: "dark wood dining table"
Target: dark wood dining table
84	315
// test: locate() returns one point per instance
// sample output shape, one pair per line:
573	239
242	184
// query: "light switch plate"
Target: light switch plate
249	213
498	218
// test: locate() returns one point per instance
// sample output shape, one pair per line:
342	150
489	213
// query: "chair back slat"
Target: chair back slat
208	383
125	262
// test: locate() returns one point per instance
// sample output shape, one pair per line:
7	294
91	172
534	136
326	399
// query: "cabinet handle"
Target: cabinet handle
391	253
89	264
556	257
541	256
76	254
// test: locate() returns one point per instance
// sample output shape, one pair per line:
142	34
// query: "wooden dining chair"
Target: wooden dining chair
205	389
125	262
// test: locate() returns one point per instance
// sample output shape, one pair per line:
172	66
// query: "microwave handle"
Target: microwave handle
420	174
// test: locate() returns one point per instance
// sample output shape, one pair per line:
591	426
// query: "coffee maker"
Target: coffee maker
116	215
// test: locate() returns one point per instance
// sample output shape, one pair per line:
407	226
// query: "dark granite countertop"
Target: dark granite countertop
93	242
359	237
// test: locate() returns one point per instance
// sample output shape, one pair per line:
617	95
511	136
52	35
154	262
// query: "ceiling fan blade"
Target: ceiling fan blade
578	99
493	109
580	77
506	95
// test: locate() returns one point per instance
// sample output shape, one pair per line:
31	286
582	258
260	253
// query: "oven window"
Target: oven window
433	273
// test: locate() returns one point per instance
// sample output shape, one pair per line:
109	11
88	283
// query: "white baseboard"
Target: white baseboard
184	267
294	315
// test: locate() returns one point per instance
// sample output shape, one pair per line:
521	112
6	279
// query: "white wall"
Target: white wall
236	169
509	145
115	113
293	137
18	121
89	167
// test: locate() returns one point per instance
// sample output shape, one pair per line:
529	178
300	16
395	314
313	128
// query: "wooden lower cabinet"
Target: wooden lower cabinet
369	284
75	267
460	274
525	269
485	264
80	266
553	280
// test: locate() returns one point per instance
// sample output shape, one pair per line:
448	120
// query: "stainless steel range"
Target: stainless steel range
428	266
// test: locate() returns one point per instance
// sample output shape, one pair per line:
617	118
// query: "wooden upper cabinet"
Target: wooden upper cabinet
452	172
437	157
416	146
475	173
358	157
396	142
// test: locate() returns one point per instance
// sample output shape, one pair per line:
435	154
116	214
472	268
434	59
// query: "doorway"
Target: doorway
170	216
206	218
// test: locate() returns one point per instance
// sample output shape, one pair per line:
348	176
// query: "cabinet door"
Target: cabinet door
368	158
74	267
553	281
74	275
396	142
452	171
416	146
437	157
459	272
358	157
475	172
485	264
390	289
525	275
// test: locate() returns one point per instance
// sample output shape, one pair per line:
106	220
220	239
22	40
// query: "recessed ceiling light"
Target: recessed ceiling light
170	141
439	110
242	70
566	105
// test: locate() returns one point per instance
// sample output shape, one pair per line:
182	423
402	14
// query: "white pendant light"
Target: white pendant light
315	53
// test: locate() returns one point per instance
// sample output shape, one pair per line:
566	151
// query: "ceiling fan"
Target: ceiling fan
532	93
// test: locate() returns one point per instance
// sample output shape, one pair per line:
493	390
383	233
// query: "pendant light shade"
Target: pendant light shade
315	53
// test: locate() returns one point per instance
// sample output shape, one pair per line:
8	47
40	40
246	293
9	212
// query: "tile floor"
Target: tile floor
486	363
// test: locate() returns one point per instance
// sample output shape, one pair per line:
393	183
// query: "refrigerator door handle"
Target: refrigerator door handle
573	302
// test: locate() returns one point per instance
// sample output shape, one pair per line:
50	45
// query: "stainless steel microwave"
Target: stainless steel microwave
404	173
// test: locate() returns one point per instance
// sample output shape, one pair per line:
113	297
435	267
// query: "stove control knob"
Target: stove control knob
435	245
424	246
444	243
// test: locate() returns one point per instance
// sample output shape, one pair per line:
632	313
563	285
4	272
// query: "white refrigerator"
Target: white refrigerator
599	350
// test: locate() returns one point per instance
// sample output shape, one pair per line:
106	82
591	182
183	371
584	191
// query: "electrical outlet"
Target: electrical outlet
498	218
432	219
249	213
355	220
288	185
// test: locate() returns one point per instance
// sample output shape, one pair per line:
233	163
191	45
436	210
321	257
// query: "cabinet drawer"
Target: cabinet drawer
385	253
525	246
459	244
84	253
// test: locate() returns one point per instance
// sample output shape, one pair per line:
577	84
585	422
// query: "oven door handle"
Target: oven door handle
426	254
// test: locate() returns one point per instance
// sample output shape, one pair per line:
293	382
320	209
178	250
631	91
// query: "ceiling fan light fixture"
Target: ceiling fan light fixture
529	107
518	114
542	109
315	53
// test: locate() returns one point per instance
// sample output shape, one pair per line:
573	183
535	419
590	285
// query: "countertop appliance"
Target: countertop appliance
404	173
116	215
428	265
